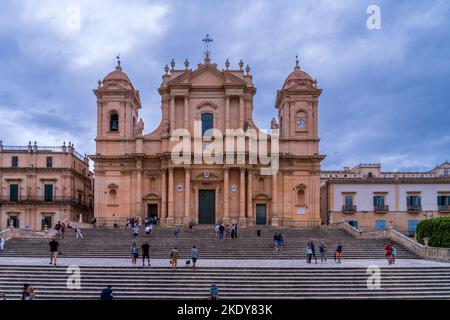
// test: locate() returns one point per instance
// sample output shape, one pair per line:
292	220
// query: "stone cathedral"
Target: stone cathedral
135	174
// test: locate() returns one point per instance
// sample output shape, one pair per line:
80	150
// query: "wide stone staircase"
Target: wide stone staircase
50	282
115	243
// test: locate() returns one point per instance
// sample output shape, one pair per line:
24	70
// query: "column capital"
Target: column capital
170	169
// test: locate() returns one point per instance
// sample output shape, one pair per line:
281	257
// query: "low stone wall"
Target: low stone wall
10	233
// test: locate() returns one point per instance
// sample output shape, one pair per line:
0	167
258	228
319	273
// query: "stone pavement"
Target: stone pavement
224	263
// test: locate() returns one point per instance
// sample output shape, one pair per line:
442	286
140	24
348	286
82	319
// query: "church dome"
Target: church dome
298	77
116	75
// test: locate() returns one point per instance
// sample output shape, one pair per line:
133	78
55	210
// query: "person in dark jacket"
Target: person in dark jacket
107	293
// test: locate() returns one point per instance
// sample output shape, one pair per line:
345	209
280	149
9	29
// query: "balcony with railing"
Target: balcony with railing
45	200
414	208
381	209
348	209
444	208
44	149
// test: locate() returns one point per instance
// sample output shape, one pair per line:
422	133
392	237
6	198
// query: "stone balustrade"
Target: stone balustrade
11	232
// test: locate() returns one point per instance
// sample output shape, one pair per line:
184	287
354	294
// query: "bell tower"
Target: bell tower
297	104
118	104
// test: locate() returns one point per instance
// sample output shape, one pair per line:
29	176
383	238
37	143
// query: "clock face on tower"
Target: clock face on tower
301	123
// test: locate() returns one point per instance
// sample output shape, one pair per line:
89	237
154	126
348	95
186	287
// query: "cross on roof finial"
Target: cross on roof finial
207	40
118	60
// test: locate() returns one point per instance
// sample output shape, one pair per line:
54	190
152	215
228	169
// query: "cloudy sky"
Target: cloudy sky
386	92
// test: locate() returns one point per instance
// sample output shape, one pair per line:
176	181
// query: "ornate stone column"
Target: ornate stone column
241	111
275	220
250	197
227	112
186	112
242	220
170	213
164	193
172	112
187	195
226	197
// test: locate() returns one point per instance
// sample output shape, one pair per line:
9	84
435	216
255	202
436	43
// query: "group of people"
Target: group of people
278	241
145	253
311	252
226	232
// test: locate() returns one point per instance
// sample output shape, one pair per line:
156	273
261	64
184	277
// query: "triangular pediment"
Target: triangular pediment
207	75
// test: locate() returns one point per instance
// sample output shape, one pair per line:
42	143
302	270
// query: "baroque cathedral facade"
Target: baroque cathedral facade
136	175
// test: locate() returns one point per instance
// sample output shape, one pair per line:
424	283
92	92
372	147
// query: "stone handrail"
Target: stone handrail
423	251
11	232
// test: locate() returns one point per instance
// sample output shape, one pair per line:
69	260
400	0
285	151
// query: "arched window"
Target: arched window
301	197
114	122
300	120
207	122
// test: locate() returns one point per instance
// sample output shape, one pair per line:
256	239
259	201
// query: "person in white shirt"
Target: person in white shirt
2	243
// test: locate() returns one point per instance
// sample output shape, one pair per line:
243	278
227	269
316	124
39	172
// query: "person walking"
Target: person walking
63	230
194	256
338	253
308	252
148	229
145	253
213	292
216	229
313	251
134	253
135	231
28	292
235	231
388	252
2	243
107	293
54	250
191	225
323	252
227	232
79	235
58	229
276	241
232	230
280	241
258	233
94	223
174	255
176	231
394	254
221	231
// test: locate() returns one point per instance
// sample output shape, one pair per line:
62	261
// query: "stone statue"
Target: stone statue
165	128
140	127
274	124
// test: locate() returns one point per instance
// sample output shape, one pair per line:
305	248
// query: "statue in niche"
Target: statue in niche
165	128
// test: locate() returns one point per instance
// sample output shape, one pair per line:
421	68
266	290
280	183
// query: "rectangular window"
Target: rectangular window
14	161
443	200
380	224
413	201
378	201
348	201
14	192
49	162
48	192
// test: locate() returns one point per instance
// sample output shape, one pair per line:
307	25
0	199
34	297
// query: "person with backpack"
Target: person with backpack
134	253
107	293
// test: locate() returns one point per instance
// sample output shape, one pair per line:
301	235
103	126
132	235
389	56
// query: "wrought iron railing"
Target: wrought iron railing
381	208
348	209
444	208
44	199
415	208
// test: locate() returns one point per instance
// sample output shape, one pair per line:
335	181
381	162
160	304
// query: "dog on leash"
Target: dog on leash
188	263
